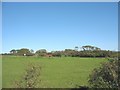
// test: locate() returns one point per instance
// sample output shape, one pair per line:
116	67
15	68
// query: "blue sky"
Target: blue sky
57	26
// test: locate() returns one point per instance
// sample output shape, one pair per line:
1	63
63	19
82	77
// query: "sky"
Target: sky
58	26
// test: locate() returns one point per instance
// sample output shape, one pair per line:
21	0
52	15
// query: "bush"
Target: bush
106	76
30	79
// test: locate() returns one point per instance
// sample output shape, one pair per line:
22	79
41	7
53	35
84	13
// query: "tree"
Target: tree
32	51
41	52
97	49
90	48
76	48
69	52
23	51
86	48
13	51
57	54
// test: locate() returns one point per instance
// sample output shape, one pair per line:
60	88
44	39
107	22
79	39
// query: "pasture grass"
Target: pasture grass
0	71
56	72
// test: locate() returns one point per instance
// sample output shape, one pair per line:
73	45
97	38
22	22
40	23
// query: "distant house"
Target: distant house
24	54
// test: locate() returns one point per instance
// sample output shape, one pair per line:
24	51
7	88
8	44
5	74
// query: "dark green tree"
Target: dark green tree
23	51
76	48
41	52
13	51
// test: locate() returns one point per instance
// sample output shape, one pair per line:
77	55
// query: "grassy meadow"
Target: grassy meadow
56	72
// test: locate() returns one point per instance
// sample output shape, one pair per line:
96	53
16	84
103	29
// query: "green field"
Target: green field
56	72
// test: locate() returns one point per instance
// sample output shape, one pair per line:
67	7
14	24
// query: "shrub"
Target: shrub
106	76
30	78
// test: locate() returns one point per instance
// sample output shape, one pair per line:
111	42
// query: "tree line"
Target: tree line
87	51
